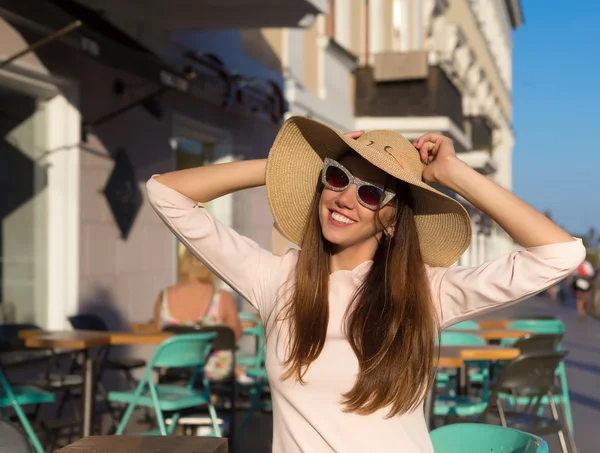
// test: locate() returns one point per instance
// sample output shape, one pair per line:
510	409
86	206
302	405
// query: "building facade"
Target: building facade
113	93
97	97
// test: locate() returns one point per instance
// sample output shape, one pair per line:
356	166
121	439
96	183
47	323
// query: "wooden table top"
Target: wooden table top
146	444
495	324
83	339
484	352
450	359
455	356
450	356
73	339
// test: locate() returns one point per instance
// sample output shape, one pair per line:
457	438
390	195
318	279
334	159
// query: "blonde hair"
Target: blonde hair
190	268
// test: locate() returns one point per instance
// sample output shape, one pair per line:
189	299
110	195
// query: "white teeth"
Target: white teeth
341	218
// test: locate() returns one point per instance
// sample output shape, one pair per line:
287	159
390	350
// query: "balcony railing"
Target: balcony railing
404	85
480	131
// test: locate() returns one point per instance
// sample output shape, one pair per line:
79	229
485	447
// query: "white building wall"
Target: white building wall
333	103
41	236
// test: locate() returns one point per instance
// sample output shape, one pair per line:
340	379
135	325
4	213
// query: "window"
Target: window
190	154
195	144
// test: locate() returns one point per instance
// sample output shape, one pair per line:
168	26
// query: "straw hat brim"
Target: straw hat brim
293	169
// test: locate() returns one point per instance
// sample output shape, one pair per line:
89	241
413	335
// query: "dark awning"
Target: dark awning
88	30
95	36
193	15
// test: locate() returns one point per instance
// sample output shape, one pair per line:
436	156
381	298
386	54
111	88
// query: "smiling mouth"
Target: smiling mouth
338	219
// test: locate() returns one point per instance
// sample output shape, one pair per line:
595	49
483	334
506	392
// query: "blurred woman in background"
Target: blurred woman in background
196	301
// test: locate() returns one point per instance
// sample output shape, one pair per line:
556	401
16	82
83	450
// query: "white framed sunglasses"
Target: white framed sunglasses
338	178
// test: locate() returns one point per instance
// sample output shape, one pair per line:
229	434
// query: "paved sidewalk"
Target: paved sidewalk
582	340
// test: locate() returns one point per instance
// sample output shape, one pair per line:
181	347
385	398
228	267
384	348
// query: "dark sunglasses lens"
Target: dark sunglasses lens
370	195
336	177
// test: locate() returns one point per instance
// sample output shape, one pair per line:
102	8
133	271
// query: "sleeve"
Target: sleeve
237	260
460	293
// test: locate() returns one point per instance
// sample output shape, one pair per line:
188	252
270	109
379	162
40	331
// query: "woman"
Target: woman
196	301
352	318
582	285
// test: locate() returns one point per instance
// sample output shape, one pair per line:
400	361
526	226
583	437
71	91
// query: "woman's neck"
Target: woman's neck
347	259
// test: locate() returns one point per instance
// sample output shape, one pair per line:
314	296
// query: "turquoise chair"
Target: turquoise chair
254	360
449	338
479	438
255	364
461	406
179	351
256	389
465	325
547	326
20	395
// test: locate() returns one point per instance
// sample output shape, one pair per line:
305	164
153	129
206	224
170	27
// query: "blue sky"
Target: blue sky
556	96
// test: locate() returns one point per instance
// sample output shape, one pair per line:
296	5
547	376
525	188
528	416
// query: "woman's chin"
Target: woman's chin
334	237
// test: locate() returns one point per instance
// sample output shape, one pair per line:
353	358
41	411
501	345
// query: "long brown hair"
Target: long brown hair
390	324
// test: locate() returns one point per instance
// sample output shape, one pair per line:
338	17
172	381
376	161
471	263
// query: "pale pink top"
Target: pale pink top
309	418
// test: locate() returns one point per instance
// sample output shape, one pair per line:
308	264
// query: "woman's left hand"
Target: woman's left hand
438	154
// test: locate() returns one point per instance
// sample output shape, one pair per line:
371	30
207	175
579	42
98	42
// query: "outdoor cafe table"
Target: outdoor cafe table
495	323
456	356
83	340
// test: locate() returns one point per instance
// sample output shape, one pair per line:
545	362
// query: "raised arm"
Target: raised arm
240	262
551	253
204	184
527	226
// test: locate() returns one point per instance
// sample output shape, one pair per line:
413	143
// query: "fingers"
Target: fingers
355	134
424	151
429	137
424	138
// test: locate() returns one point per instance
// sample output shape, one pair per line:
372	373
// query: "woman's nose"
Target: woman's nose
347	198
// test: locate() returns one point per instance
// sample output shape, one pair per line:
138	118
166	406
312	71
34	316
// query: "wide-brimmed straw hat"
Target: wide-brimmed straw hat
296	160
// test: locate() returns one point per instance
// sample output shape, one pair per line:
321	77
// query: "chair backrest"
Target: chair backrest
224	340
13	439
245	316
538	325
465	325
533	370
479	437
183	351
88	322
9	336
538	342
257	330
461	339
